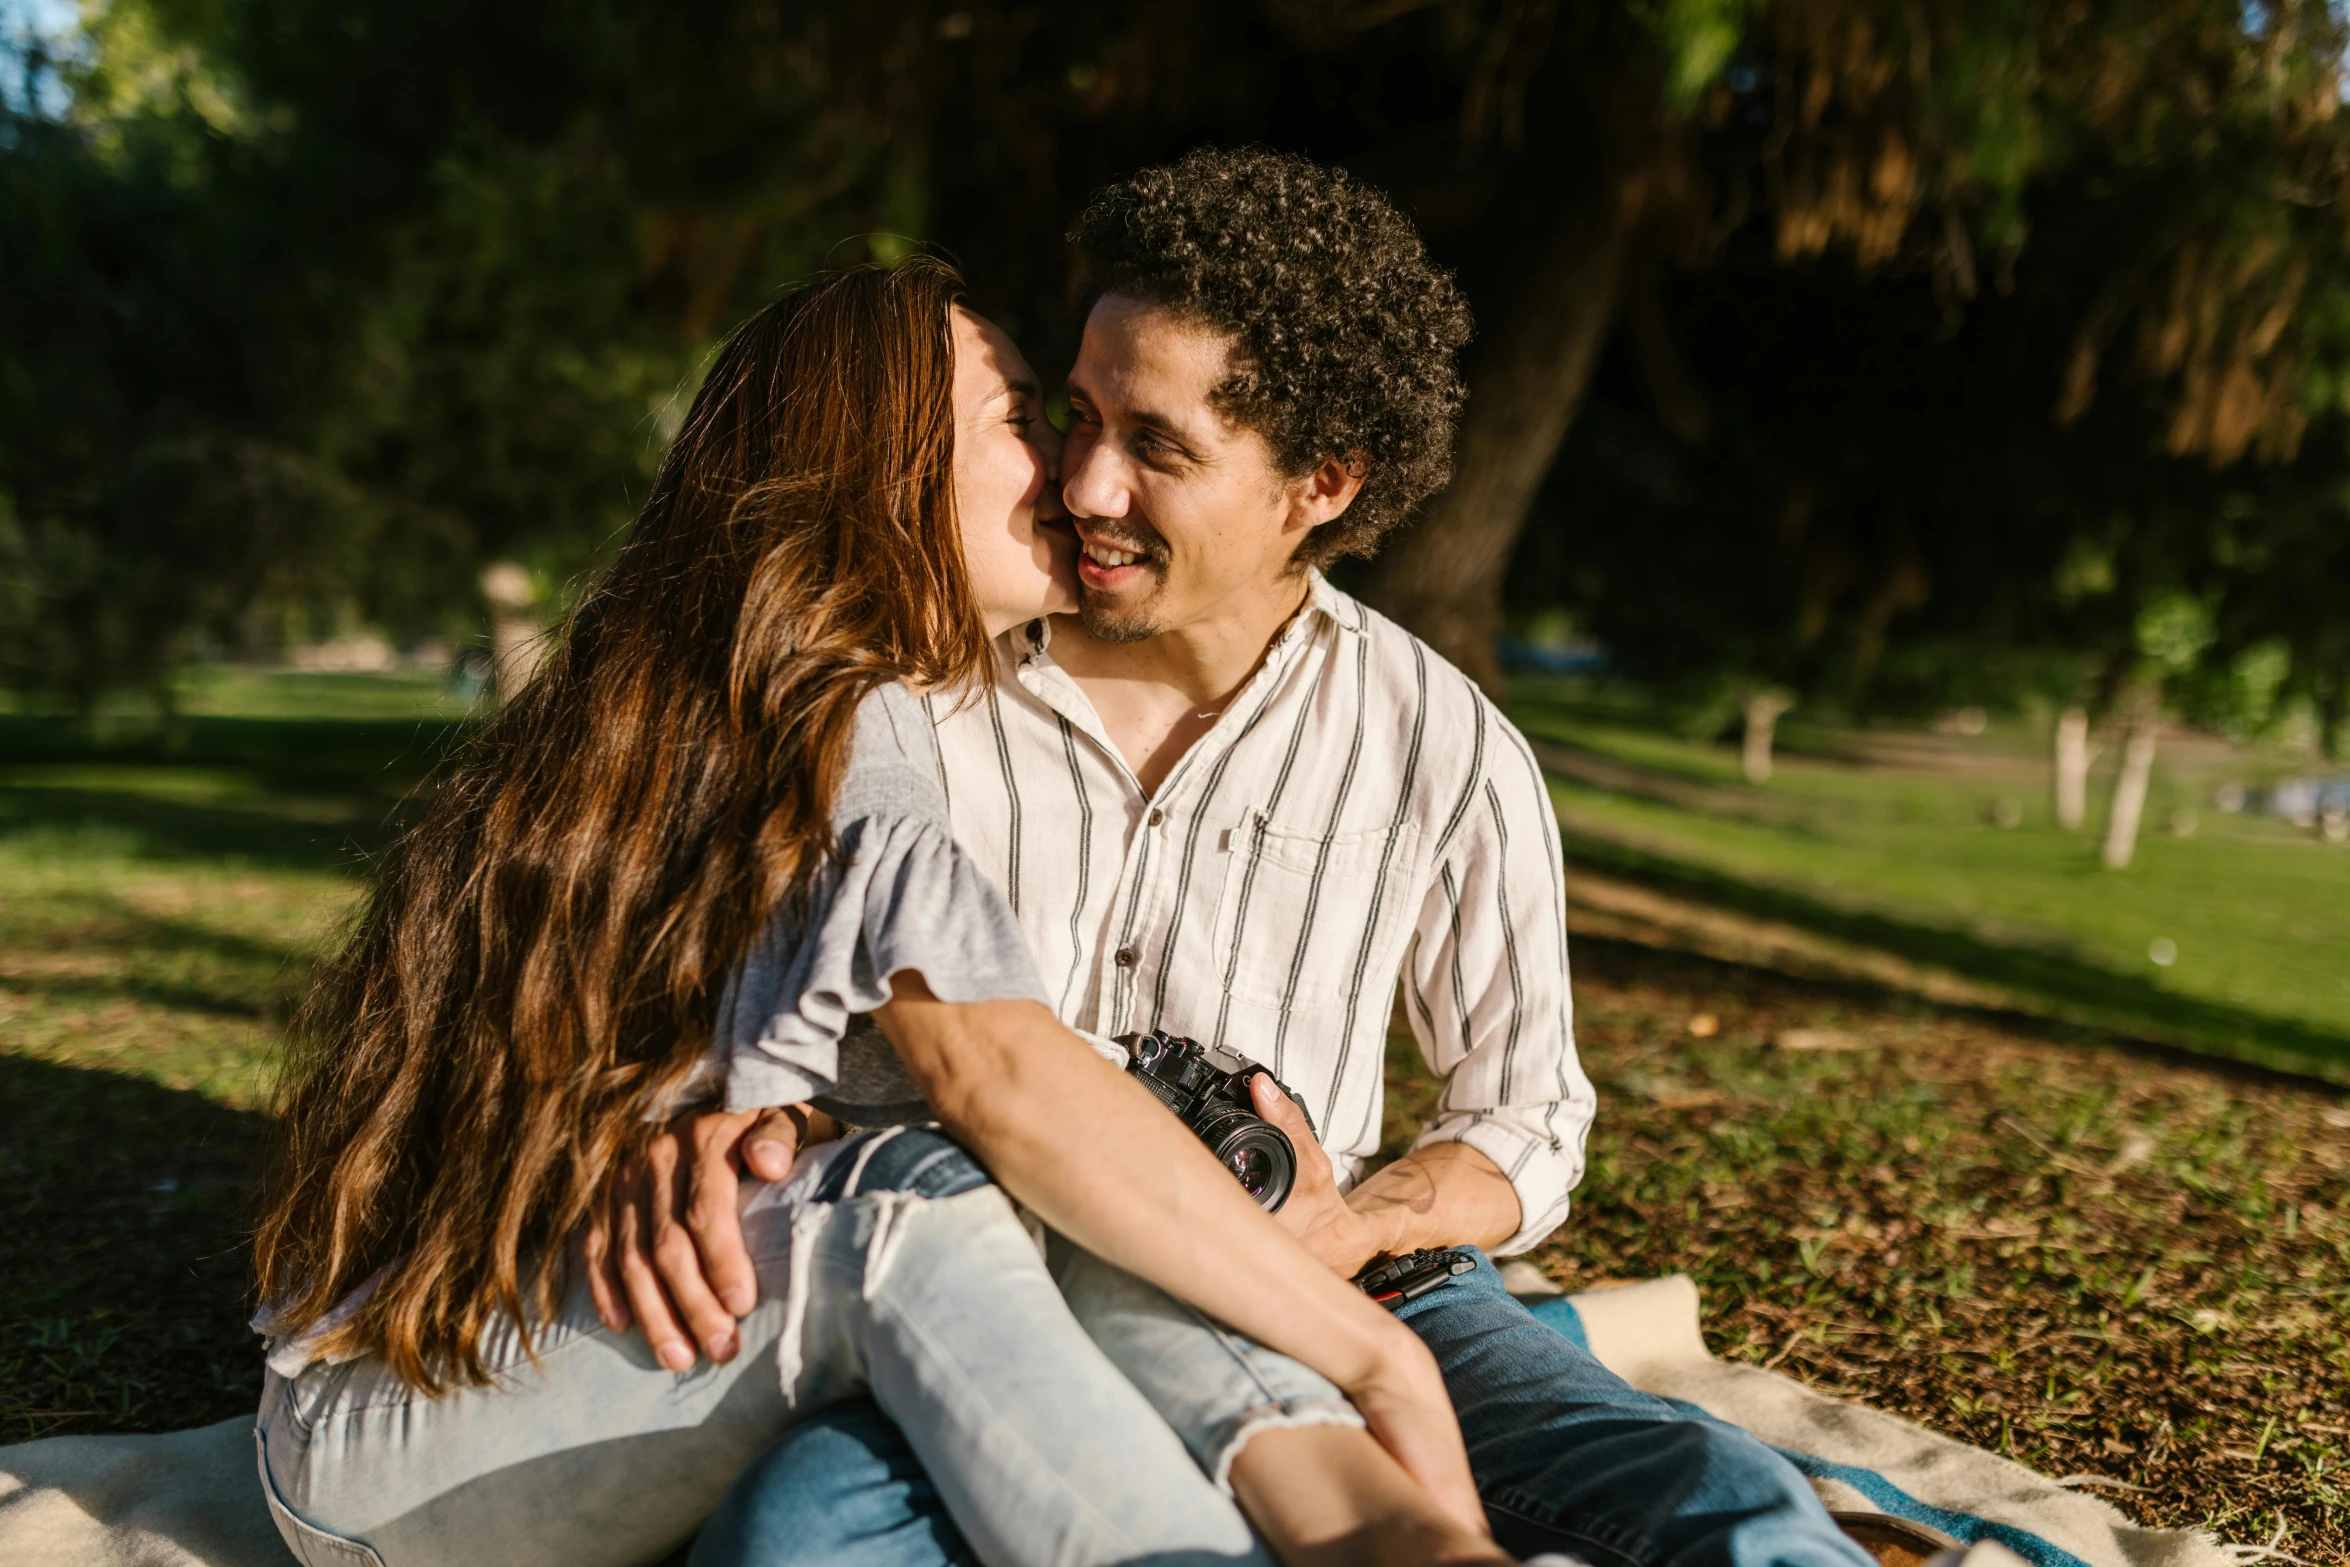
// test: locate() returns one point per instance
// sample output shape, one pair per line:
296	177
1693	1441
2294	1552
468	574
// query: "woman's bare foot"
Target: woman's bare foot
1331	1496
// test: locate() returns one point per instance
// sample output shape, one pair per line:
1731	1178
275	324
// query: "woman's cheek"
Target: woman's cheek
1015	471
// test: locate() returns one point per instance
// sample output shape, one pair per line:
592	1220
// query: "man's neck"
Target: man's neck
1157	697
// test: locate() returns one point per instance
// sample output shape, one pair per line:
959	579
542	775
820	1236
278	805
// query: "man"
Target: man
1229	801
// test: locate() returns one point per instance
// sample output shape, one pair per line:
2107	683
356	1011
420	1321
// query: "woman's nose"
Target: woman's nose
1050	507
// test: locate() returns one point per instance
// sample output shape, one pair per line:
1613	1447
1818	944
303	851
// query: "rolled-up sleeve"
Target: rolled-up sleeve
1488	994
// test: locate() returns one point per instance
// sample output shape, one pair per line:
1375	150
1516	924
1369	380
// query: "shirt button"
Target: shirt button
1157	816
1125	957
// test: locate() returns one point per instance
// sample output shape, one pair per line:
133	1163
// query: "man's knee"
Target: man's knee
918	1159
842	1487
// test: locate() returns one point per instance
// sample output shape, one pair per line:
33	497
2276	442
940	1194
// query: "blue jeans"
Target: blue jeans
1568	1456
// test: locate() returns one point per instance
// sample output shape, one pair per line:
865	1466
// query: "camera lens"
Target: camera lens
1258	1153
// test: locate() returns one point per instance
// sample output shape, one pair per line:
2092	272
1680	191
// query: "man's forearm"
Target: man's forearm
1446	1194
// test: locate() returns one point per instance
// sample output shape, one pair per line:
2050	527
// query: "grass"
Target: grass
2020	1232
1886	840
140	994
2096	1262
162	895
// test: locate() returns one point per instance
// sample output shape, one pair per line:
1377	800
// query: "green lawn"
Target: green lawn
193	874
1886	840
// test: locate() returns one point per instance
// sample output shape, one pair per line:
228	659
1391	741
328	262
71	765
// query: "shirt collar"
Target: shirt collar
1327	600
1027	649
1028	644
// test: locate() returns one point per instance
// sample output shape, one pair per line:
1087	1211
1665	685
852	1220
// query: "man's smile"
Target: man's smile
1108	564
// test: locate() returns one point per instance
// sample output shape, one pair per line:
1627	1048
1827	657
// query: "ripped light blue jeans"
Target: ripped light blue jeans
893	1270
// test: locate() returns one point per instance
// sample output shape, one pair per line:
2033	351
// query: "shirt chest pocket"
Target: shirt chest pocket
1307	918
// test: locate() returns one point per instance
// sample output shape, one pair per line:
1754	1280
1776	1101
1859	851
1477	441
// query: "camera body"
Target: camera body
1395	1282
1208	1089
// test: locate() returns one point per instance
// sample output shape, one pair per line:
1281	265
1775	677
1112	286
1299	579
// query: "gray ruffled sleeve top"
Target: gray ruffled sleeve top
900	895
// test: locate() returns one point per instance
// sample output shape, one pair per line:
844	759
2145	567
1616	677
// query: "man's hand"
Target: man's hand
667	1249
1315	1213
1447	1194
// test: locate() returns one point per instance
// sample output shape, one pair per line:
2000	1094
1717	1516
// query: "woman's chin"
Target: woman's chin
1002	618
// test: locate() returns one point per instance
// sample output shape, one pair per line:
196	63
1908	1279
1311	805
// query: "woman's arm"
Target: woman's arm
1095	1156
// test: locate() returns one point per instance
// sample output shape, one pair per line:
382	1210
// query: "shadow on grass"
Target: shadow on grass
147	992
320	793
378	757
124	1284
2074	988
298	835
103	919
148	956
1655	786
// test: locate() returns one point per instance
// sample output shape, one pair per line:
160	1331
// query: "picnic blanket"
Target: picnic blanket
193	1498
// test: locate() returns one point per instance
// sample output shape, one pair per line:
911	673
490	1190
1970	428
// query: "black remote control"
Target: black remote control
1400	1279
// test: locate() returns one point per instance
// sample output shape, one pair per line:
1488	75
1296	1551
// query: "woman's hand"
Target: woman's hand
1400	1395
666	1250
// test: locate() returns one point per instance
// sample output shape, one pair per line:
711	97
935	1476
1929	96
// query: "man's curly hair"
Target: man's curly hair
1346	336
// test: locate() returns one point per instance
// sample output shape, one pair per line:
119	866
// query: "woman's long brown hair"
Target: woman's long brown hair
540	964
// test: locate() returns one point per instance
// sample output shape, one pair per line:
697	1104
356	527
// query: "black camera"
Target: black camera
1208	1088
1395	1282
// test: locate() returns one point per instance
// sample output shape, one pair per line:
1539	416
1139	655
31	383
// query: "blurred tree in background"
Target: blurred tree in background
1971	461
326	306
155	465
1830	350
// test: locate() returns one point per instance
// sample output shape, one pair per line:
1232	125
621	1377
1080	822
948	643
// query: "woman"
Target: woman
698	845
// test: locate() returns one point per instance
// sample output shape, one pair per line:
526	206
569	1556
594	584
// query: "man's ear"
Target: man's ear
1324	494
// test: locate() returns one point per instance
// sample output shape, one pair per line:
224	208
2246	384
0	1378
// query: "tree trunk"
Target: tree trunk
2333	707
2129	795
1762	722
2072	767
517	641
1534	359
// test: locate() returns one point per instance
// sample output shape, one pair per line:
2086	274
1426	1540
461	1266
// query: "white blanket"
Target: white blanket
193	1498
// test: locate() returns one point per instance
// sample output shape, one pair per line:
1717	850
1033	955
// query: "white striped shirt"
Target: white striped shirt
1358	812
